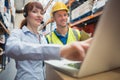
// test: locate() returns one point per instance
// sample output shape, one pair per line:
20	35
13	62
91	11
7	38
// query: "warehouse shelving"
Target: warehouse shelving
7	15
89	19
86	18
2	27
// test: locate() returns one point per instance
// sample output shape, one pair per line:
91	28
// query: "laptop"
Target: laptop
104	52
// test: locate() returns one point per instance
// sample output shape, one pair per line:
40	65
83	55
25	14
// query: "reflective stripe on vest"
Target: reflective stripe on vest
73	35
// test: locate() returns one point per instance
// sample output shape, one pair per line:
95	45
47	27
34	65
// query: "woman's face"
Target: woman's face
34	17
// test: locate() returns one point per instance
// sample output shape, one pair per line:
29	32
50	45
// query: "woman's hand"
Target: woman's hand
76	50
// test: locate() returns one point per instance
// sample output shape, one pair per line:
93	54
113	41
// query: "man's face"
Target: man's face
61	17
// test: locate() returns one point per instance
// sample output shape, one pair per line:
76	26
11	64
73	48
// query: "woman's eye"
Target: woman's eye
42	13
34	11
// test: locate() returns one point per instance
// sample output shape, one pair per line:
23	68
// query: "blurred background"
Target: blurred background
83	15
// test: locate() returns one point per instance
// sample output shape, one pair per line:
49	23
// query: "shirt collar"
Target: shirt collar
55	31
25	29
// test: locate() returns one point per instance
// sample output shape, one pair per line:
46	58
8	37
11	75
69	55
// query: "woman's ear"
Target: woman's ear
24	14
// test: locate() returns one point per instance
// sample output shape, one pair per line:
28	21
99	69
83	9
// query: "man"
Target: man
63	34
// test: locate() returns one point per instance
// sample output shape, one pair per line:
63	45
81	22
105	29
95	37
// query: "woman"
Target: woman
30	49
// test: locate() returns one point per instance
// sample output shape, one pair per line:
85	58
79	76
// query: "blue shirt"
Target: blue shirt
29	53
62	38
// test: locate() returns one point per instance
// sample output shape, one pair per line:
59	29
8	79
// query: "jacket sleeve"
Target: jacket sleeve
20	50
84	35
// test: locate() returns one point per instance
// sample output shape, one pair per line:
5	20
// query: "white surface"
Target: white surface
63	65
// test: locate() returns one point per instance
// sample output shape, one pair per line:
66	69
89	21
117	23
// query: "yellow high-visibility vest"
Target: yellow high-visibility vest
73	35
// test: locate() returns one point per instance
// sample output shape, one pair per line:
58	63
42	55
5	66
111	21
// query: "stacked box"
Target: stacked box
98	4
82	9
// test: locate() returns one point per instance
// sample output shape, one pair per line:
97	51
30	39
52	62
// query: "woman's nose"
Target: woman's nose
39	14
